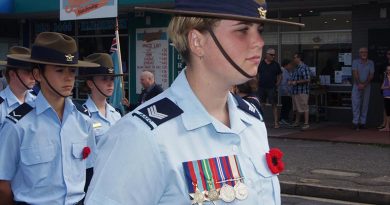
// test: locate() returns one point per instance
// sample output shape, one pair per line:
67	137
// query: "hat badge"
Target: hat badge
262	12
69	57
110	70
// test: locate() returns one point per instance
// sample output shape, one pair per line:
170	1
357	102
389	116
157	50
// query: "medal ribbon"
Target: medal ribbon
208	174
189	173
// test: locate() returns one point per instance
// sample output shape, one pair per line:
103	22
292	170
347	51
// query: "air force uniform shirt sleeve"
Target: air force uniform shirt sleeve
141	160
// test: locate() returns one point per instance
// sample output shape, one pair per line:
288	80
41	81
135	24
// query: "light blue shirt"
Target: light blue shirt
11	102
101	123
137	165
42	157
363	69
284	87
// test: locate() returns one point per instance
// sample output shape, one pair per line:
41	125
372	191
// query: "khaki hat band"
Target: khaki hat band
50	55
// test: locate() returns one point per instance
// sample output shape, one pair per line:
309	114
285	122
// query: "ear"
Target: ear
90	84
37	74
196	42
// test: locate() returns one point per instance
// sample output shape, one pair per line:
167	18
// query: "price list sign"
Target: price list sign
152	55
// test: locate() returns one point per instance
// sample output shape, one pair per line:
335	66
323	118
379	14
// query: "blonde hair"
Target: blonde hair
180	26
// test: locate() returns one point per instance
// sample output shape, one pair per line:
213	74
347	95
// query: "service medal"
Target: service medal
198	197
227	193
241	191
213	195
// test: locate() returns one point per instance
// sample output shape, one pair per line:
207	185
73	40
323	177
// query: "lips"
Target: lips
254	59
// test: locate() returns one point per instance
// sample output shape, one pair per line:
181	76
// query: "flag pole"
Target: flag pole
119	56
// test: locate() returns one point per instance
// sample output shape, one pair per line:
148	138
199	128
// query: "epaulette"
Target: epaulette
159	112
1	100
19	112
248	107
82	108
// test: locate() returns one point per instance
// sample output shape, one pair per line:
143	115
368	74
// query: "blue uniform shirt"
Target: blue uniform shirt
42	156
11	102
101	123
141	158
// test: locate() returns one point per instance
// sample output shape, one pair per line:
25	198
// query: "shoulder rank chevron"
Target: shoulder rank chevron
1	100
248	107
19	112
159	112
83	109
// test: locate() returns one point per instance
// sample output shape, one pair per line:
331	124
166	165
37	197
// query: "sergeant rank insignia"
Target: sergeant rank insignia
214	179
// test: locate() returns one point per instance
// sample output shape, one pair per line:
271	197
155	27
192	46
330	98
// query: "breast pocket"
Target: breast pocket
78	162
266	184
37	163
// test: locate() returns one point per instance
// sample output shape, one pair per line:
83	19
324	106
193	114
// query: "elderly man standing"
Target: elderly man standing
270	75
363	72
149	87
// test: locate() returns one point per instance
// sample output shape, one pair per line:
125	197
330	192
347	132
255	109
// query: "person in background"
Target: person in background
45	146
149	90
269	75
300	82
20	81
386	97
362	73
285	92
154	155
386	63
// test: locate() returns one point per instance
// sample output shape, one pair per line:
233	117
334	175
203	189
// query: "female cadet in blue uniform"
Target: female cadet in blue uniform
196	143
101	83
45	145
20	82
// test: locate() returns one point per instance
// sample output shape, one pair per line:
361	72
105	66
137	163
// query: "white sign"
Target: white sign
152	55
87	9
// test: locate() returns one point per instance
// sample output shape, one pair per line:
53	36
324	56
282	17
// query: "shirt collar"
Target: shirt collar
195	115
10	97
42	105
91	105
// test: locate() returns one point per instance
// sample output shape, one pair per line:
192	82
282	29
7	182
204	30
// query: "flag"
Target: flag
117	96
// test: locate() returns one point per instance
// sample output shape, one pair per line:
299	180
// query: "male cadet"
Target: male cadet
45	145
20	81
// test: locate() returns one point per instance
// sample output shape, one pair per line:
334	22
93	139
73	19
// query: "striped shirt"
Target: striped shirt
302	72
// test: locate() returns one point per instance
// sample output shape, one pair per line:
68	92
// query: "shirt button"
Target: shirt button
235	148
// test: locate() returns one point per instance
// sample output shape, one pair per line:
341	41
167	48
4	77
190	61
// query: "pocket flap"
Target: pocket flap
77	150
37	155
261	166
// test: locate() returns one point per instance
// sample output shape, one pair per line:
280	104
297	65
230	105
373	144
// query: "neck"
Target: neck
100	102
55	101
19	92
212	96
267	61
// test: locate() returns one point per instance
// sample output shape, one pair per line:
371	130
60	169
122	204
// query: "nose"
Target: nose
258	40
69	73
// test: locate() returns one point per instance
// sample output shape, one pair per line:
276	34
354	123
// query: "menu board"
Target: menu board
152	55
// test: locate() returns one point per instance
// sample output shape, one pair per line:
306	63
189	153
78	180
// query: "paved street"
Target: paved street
343	171
299	200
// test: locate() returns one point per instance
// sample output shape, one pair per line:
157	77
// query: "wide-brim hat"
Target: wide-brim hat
243	10
106	66
16	64
53	48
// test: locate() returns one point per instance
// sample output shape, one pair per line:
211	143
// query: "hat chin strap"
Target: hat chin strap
101	92
52	88
227	57
24	84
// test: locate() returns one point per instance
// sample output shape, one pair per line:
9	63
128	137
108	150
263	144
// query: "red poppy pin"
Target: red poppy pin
274	160
86	152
